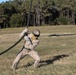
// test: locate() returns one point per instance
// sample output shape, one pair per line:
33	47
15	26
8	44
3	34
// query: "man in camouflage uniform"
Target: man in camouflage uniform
31	41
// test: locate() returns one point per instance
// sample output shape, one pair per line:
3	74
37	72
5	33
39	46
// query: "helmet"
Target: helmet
36	33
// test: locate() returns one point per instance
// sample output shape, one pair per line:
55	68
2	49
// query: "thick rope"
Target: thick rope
23	35
12	46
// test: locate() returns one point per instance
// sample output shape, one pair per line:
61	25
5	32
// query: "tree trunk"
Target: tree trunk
37	16
0	26
73	17
38	13
34	20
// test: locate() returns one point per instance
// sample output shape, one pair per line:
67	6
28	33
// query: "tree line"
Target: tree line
14	13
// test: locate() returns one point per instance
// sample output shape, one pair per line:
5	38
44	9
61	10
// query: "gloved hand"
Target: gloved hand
24	32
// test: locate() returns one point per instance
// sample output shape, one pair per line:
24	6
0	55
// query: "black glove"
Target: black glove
25	33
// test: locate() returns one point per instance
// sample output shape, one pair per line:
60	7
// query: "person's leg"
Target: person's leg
18	58
35	55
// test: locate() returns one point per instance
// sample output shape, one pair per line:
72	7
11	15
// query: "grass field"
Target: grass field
56	43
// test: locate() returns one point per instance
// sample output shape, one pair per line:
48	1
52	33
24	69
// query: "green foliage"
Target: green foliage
15	20
42	12
62	20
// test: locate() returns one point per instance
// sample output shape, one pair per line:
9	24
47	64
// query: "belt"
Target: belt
23	48
26	48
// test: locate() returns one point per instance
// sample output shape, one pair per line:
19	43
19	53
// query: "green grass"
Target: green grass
53	51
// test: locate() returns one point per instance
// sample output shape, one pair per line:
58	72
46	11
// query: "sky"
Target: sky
3	1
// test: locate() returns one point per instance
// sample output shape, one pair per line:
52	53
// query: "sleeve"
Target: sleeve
24	32
35	43
29	42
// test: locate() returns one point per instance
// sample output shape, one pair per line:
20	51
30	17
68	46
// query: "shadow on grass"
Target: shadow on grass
48	61
51	61
61	35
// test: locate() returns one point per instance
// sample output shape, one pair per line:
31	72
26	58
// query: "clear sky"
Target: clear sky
3	0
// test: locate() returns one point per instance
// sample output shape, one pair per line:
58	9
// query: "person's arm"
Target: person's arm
24	32
35	43
26	38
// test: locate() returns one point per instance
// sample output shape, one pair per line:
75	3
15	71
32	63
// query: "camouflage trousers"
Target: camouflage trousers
23	53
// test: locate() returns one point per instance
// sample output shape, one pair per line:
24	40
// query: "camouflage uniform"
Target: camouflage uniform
31	41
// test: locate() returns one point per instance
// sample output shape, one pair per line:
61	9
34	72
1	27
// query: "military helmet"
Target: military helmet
36	33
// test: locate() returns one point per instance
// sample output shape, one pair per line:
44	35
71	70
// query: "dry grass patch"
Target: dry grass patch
53	51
